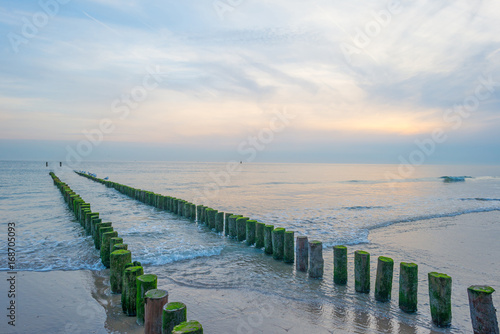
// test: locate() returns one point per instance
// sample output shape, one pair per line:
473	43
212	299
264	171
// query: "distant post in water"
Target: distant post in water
408	287
232	226
278	243
259	235
250	231
173	314
440	298
144	284
288	251
301	253
362	271
383	281
241	228
316	262
154	301
226	223
340	265
219	222
106	237
482	312
268	239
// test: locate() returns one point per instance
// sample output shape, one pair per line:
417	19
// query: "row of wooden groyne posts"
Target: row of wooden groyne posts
308	257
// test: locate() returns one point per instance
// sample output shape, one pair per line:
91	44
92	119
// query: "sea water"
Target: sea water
333	203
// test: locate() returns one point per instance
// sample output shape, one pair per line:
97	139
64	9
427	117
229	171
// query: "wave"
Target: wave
361	207
481	199
455	178
156	259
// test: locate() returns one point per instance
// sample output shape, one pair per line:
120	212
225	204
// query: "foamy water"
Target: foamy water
337	204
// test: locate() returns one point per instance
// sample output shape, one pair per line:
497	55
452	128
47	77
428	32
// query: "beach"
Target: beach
47	300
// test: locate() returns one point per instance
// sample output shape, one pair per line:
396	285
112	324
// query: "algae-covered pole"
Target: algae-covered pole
154	301
268	239
101	229
250	232
440	298
144	284
118	260
259	235
408	287
129	293
482	311
362	271
278	243
219	222
174	314
119	246
198	213
316	261
226	223
288	250
188	327
114	241
302	253
232	225
106	237
340	265
383	281
241	228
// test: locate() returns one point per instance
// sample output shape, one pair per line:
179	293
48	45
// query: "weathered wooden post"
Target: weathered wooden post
288	251
482	312
440	298
114	241
408	287
301	253
316	262
118	260
219	222
268	239
101	229
129	293
340	264
173	314
198	213
241	228
188	327
154	301
259	235
144	284
383	281
250	232
211	217
233	231
362	271
278	243
119	247
106	237
226	223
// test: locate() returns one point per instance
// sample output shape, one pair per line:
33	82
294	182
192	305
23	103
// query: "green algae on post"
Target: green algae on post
219	222
129	289
288	251
241	228
482	312
118	260
440	298
119	247
302	253
259	235
226	223
408	287
114	241
144	284
232	225
268	239
278	237
154	301
188	327
340	264
101	228
106	237
250	232
174	314
383	281
316	262
362	271
211	217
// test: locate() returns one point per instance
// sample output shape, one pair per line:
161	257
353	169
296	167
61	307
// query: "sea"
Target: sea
338	204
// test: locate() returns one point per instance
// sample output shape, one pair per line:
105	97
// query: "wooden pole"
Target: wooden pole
250	231
383	281
440	298
241	228
288	251
362	271
233	232
154	301
408	287
219	222
268	239
144	284
226	223
106	237
129	293
118	260
482	311
302	253
173	314
278	243
188	327
259	235
316	261
340	265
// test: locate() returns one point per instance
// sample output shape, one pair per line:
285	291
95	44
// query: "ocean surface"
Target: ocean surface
333	203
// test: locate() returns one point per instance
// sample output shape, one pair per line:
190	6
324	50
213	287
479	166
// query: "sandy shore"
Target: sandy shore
80	301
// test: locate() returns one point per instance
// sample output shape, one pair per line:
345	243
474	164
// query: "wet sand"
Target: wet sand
464	247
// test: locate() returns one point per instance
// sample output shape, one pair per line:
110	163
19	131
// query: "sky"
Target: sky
415	82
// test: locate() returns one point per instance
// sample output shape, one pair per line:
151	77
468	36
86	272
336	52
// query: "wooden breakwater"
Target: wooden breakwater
139	294
308	257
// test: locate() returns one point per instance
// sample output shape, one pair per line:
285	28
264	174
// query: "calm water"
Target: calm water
337	204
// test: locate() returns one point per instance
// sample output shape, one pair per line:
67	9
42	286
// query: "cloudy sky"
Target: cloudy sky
254	80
